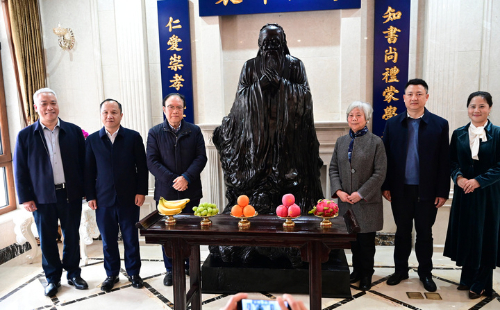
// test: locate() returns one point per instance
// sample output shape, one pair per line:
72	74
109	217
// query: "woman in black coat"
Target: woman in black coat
474	227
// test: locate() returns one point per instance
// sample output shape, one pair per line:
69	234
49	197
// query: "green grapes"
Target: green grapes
206	209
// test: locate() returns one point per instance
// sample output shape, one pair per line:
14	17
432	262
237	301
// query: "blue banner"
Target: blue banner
236	7
175	51
390	60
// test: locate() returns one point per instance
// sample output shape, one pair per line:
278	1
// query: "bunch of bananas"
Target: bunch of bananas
171	207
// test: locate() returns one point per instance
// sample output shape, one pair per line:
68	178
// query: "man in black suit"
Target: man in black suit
176	156
418	179
48	162
116	184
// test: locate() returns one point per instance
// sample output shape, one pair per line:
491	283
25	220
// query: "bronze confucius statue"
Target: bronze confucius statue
267	144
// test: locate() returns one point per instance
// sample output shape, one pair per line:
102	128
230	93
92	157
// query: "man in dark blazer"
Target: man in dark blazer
48	161
418	179
176	157
116	184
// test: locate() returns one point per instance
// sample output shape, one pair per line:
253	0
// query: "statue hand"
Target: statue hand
273	76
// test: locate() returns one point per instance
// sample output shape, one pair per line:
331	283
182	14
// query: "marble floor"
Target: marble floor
22	286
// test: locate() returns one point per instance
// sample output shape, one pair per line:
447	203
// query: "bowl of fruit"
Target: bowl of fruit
325	209
169	208
243	211
206	210
288	210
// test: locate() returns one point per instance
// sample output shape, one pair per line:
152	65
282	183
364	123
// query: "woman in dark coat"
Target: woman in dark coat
474	227
357	171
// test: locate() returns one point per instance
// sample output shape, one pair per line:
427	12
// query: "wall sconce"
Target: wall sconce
66	37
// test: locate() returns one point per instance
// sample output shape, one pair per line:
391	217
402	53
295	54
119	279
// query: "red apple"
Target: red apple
293	210
288	200
282	211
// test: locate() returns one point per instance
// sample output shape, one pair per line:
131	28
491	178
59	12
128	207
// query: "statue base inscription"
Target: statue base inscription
275	277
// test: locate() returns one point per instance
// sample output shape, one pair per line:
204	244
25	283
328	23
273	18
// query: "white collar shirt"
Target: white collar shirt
112	136
51	145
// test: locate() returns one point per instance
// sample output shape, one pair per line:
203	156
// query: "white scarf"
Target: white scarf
476	133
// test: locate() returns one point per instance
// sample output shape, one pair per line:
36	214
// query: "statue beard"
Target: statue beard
272	59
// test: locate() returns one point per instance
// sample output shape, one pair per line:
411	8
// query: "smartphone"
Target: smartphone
259	304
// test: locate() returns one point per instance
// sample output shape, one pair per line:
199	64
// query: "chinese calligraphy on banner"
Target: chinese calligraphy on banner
175	51
236	7
390	60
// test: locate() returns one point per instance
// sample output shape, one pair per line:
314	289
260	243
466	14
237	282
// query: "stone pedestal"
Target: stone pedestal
275	277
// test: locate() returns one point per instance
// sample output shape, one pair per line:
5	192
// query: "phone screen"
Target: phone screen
259	304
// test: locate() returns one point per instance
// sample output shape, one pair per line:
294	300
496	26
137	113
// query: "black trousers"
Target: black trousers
407	209
187	210
110	220
46	219
363	253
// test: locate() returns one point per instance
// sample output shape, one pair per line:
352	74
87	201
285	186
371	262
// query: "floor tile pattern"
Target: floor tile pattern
24	290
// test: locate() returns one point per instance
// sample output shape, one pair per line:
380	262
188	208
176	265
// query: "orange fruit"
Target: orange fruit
243	200
237	211
248	211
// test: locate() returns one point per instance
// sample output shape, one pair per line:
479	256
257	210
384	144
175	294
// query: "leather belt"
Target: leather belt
60	186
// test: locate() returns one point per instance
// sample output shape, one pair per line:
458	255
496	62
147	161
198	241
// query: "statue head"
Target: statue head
272	42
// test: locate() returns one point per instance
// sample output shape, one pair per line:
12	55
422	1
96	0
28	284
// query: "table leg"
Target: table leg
179	279
314	250
194	276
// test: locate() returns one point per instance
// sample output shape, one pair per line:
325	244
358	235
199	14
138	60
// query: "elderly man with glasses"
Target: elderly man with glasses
176	157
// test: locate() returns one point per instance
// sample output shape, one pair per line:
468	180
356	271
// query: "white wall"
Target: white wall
460	55
332	44
72	74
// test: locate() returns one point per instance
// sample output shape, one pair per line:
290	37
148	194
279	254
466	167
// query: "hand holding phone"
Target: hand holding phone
281	303
232	304
261	304
292	303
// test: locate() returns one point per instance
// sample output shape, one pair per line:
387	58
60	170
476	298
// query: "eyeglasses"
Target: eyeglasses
172	108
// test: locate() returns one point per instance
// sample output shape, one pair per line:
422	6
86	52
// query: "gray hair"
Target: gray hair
365	107
41	91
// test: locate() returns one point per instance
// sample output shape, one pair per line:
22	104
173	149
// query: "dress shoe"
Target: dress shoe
395	278
51	289
474	295
429	284
108	284
365	284
167	281
78	282
354	277
136	281
463	287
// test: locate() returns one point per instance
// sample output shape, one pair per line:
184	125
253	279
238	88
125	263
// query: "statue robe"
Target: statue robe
267	144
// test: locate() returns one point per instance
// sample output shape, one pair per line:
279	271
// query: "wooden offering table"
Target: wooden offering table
183	240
